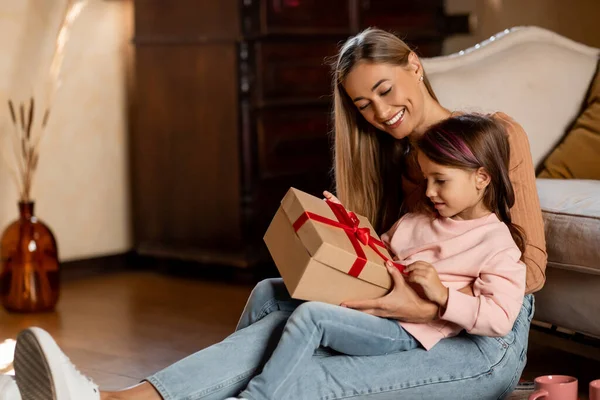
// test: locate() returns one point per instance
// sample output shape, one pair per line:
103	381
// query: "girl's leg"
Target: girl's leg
315	324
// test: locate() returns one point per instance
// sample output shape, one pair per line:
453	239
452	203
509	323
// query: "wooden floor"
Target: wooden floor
121	327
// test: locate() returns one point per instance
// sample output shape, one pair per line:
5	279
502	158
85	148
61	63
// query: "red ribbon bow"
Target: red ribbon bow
349	222
363	234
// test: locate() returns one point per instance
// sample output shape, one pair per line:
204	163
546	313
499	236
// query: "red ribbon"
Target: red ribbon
349	222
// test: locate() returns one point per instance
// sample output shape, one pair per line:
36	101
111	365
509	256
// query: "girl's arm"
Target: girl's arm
526	211
498	290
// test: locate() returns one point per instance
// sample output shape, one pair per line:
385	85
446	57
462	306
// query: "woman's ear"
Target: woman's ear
482	178
414	64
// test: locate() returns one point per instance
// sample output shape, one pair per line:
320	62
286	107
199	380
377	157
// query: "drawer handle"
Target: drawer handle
278	6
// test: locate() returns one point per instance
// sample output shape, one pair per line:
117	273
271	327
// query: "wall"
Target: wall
576	19
81	186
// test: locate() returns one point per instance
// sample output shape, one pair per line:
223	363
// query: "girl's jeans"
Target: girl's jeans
313	325
463	367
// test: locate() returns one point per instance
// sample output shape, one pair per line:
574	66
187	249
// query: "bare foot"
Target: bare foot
143	391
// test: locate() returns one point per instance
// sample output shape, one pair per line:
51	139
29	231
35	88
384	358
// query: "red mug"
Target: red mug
555	387
595	390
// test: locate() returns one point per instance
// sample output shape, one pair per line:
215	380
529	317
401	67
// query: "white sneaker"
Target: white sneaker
8	388
43	372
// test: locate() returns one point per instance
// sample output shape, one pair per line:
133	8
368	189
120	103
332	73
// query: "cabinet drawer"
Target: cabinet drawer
409	18
288	70
185	21
296	16
293	140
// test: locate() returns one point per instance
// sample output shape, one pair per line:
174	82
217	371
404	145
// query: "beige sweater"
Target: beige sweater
526	212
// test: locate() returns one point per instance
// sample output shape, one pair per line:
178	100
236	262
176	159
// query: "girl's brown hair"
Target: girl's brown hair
368	164
470	142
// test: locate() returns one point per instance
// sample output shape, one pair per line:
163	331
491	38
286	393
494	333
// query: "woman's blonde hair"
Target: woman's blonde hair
368	163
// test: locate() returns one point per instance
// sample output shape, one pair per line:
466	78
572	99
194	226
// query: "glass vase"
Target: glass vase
29	268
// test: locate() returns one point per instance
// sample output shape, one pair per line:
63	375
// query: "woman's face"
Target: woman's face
388	96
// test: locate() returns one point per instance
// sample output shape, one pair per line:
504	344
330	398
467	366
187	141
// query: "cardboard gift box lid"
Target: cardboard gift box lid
331	245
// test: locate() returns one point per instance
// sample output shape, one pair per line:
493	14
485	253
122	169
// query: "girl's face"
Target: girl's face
455	193
388	96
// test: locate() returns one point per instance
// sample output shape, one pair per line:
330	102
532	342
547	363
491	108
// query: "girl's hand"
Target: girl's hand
402	303
331	197
425	275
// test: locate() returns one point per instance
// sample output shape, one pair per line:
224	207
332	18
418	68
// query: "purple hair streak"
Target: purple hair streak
449	146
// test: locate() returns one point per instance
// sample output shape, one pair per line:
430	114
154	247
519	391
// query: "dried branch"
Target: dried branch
28	136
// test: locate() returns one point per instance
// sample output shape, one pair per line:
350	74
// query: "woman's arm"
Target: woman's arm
402	303
526	212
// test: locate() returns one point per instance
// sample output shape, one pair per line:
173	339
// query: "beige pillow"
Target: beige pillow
578	156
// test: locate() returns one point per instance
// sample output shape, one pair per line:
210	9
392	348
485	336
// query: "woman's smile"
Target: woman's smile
396	120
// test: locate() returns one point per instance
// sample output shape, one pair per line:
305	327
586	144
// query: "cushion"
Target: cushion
577	157
537	77
571	211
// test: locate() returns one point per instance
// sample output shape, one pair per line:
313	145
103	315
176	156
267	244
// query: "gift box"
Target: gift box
325	253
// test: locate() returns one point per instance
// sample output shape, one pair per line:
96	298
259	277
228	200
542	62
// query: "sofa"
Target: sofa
540	79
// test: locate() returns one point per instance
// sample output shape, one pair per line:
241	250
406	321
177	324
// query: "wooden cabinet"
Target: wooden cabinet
232	107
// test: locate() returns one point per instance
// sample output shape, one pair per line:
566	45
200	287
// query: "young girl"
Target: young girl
464	161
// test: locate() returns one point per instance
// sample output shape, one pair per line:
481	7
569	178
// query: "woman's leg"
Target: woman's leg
315	324
233	362
465	367
267	296
215	373
142	391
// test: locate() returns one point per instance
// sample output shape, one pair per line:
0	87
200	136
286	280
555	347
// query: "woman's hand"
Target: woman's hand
425	275
402	303
331	197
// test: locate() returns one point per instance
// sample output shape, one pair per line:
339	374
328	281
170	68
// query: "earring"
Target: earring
421	78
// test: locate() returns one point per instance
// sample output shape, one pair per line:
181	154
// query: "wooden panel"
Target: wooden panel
185	147
291	141
288	70
305	16
271	191
406	17
186	19
192	132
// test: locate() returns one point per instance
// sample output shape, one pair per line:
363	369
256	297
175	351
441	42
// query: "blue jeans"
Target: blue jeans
466	367
313	325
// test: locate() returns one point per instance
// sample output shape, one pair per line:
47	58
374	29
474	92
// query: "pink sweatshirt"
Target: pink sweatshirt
479	251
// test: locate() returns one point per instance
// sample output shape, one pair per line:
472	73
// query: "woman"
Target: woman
382	100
